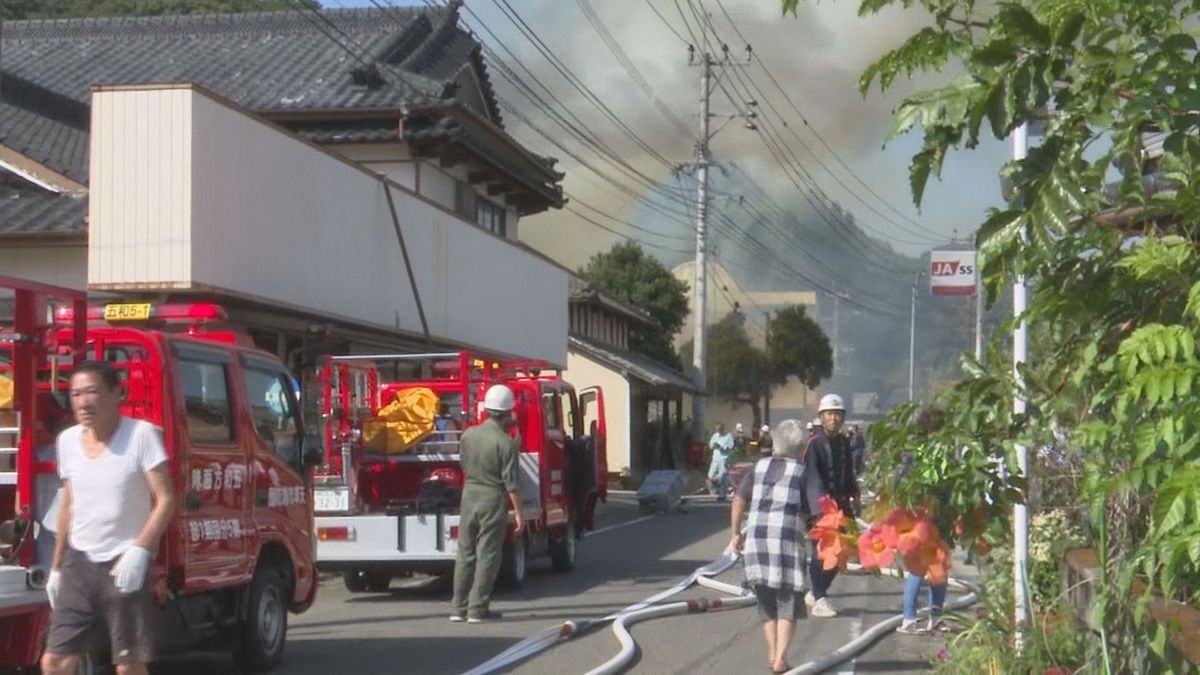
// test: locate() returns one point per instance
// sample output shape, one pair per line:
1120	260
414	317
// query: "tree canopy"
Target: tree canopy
797	347
48	9
740	372
629	274
1101	221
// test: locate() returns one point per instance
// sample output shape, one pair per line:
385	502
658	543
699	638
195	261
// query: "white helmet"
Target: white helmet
766	428
739	428
498	398
831	402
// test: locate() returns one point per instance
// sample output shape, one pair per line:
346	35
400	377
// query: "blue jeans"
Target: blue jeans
912	587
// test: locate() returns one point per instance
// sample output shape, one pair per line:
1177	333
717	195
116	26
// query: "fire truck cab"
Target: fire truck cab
386	514
238	555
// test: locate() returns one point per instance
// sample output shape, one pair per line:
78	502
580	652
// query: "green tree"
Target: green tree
1103	225
736	370
739	372
797	347
45	9
629	274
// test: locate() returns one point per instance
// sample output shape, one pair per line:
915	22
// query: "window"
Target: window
551	411
206	401
273	410
567	413
490	217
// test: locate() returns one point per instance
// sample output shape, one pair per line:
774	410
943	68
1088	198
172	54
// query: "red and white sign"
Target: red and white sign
952	272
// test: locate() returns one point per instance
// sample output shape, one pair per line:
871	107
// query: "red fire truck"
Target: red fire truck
239	553
381	515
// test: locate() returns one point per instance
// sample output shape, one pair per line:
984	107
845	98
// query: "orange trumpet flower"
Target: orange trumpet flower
875	546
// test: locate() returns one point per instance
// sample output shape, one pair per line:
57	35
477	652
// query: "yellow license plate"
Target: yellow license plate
127	312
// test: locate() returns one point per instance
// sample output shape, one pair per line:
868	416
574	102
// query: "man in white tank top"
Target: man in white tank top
116	503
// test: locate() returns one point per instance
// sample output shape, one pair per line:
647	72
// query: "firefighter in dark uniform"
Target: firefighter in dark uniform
830	454
489	459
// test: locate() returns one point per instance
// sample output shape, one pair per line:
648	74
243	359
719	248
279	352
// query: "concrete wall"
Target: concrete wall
60	264
189	192
583	371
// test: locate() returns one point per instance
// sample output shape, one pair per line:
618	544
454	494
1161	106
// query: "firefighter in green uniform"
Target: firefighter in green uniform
489	460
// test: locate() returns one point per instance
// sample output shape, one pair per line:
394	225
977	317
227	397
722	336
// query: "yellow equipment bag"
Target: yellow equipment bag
403	423
6	393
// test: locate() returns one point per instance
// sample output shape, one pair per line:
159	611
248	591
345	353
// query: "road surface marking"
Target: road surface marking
855	632
618	525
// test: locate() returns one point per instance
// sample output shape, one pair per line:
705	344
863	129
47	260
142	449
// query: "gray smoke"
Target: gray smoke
816	56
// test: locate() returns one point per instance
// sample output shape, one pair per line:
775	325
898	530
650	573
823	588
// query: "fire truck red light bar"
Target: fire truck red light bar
335	533
133	312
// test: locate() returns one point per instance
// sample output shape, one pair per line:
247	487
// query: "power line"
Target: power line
837	157
761	247
630	68
574	80
650	4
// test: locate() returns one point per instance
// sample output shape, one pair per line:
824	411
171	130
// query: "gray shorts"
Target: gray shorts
89	608
779	604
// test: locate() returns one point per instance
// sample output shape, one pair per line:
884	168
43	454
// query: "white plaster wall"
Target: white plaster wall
276	219
583	372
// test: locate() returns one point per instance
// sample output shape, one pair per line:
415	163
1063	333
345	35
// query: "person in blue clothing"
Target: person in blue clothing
721	446
929	419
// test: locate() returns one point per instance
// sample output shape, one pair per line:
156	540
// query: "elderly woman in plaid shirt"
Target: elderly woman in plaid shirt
775	497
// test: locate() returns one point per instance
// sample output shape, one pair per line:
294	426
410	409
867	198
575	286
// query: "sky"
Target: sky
816	56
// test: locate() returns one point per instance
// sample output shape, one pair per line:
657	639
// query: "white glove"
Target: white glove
130	571
53	586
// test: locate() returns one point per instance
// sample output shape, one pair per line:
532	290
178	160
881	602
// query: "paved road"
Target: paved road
629	558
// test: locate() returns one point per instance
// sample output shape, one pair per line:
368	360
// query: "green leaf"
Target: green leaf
1175	511
1068	29
1000	112
995	53
1019	22
1000	224
923	164
1178	42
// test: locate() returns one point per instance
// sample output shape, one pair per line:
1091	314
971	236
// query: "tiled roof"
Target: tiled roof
271	62
29	210
581	290
347	131
634	365
291	66
47	127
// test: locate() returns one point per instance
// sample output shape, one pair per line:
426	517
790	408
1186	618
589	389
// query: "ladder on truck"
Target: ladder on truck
10	439
30	344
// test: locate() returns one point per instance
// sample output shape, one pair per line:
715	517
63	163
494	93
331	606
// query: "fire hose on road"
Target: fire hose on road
650	609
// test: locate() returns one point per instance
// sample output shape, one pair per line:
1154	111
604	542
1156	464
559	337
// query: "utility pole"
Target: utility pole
1020	354
837	304
767	401
703	161
699	288
912	336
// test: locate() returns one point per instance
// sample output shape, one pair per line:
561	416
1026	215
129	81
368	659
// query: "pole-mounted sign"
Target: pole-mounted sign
952	272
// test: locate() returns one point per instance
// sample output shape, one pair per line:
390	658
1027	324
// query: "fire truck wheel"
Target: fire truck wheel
355	581
377	582
562	551
512	564
264	630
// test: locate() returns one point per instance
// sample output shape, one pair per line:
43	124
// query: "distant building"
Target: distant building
643	398
113	131
724	292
